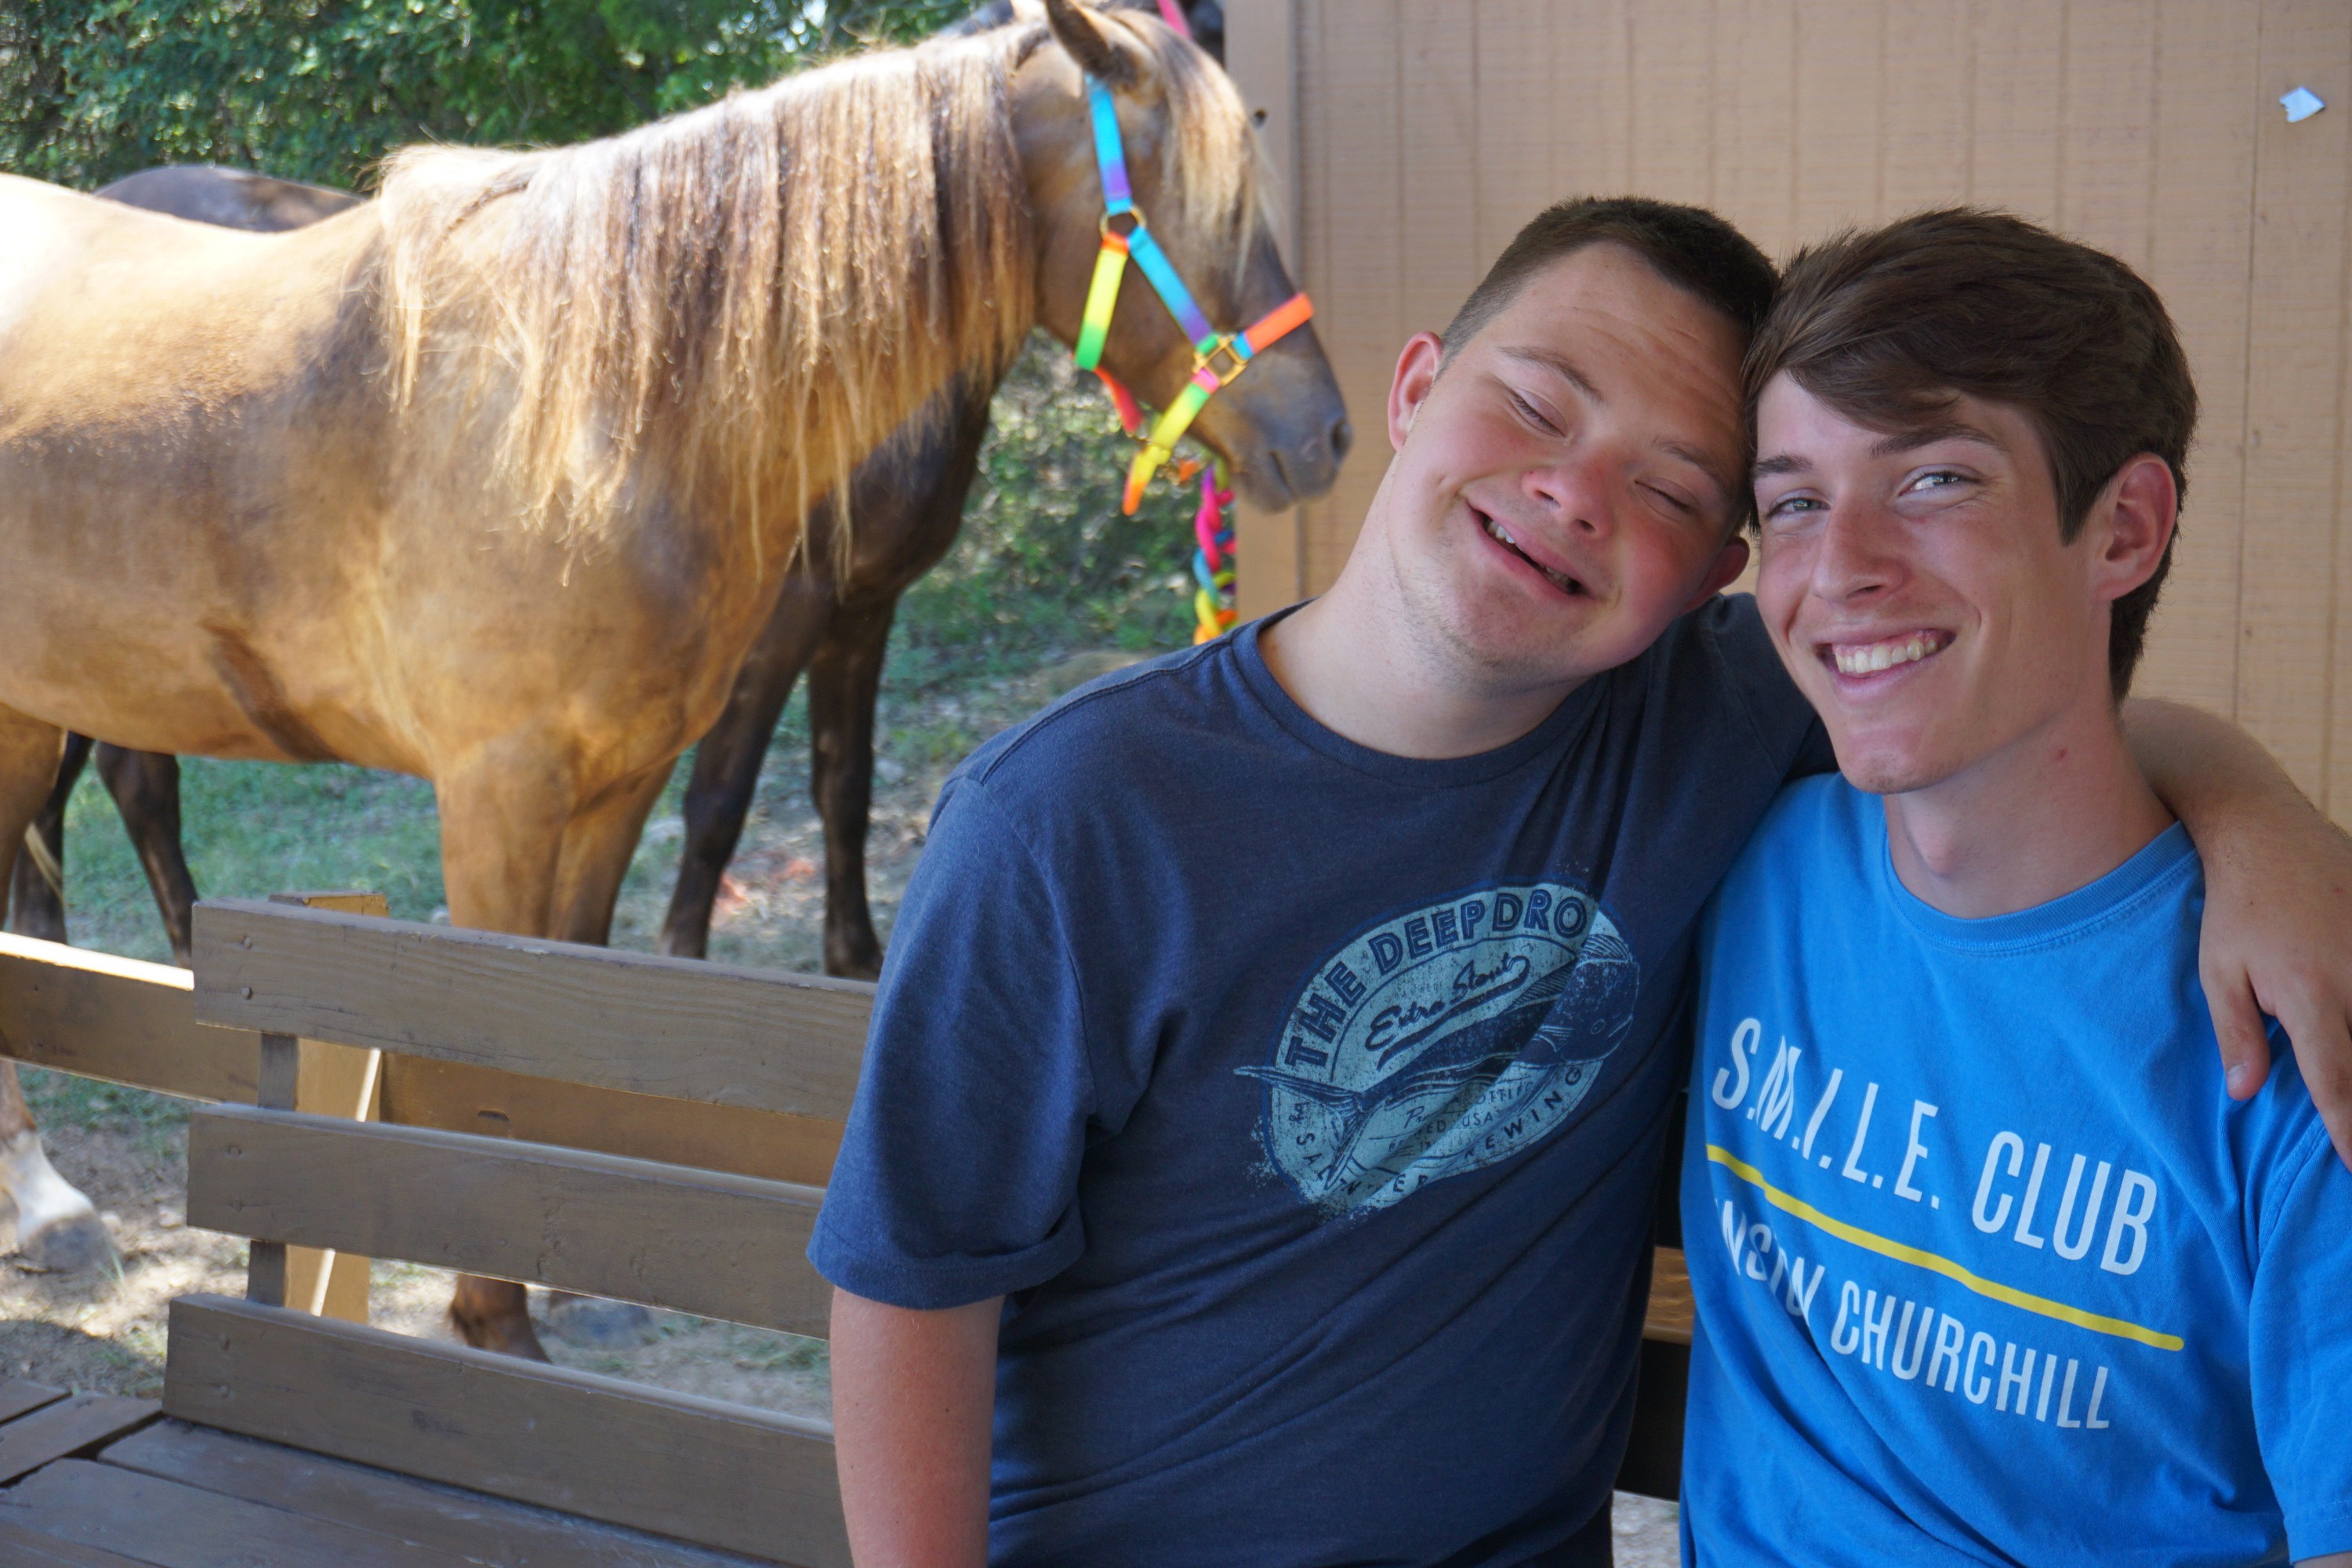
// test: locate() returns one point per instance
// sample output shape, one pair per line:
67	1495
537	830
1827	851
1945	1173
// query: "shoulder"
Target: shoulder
1124	725
1716	666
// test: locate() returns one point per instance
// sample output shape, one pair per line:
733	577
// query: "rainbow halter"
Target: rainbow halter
1212	562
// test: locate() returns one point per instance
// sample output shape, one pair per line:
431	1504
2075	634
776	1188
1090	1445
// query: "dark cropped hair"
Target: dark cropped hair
1690	247
1890	327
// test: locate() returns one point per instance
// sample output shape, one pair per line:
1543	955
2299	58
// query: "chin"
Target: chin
1877	766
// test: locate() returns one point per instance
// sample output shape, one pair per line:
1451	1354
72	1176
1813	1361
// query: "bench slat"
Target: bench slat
21	1546
672	1026
119	1019
490	1533
168	1525
76	1421
704	1242
420	1092
697	1470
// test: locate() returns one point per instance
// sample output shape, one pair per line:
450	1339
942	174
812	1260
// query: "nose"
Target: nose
1850	558
1576	490
1342	437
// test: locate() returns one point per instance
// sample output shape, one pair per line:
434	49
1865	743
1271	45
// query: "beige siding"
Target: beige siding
1414	136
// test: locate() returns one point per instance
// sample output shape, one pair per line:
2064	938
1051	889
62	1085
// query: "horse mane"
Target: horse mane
754	294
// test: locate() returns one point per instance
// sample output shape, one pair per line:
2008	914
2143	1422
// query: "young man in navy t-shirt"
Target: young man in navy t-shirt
1268	1083
1988	1269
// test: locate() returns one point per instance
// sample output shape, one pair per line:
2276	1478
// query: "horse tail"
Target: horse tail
44	860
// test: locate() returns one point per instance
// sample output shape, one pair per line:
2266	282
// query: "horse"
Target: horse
909	497
146	785
496	478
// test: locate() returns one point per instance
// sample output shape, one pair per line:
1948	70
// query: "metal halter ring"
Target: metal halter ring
1231	347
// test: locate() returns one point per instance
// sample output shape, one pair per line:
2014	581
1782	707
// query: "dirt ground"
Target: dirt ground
105	1332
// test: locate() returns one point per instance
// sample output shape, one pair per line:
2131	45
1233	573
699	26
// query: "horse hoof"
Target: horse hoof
67	1245
595	1324
506	1335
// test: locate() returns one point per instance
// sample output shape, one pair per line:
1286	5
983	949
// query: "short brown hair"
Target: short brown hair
1888	328
1690	247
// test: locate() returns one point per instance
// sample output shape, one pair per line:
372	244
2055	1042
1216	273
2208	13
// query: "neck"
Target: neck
1360	666
2046	815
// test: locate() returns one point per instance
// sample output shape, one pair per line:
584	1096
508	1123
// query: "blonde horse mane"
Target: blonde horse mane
753	295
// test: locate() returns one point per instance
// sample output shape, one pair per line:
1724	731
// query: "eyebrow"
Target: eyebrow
1893	446
1559	365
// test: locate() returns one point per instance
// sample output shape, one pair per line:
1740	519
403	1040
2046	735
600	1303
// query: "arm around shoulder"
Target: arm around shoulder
913	1396
2278	901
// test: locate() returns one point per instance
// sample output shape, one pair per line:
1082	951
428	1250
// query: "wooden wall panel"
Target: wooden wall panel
2294	391
2148	127
1670	47
2201	233
1836	91
1519	102
1348	140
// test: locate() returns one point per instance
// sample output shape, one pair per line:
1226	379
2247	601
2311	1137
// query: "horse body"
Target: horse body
496	480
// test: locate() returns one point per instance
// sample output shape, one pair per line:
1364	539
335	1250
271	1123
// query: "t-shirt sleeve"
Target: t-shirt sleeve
1786	725
2302	1348
957	1174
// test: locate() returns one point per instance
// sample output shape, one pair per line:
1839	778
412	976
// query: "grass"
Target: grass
1045	567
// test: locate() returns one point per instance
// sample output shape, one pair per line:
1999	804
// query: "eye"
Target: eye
1532	414
1940	478
1673	502
1789	507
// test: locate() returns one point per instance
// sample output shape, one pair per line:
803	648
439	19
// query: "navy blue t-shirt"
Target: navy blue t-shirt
1305	1102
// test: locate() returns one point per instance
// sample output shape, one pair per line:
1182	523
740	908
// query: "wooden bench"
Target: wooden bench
645	1129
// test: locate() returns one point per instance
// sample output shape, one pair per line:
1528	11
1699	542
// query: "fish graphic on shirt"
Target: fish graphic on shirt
1469	1080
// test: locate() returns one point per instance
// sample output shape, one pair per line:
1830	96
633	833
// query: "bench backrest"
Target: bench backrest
710	1055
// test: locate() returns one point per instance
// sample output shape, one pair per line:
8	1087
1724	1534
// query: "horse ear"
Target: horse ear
1074	28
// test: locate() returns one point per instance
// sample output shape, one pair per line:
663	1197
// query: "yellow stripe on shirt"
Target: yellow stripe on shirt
1944	1265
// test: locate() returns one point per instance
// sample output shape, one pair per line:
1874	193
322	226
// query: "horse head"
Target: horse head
1192	163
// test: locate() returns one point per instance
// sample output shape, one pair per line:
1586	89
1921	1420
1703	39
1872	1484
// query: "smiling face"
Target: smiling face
1567	485
1919	591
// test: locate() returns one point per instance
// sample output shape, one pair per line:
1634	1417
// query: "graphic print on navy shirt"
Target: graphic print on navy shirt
1443	1040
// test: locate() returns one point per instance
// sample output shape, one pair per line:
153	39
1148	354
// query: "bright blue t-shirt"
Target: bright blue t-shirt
1989	1268
1307	1104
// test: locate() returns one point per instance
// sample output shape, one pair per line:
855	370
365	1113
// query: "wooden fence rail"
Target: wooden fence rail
704	1242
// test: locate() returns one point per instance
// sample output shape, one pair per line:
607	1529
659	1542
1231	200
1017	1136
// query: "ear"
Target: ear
1416	373
1729	563
2137	513
1076	30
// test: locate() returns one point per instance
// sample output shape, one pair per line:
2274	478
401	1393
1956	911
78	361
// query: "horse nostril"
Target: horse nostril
1343	436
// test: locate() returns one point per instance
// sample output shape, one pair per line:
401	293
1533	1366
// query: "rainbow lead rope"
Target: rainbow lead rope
1213	607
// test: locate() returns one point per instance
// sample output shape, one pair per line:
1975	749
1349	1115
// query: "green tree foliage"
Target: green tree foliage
318	90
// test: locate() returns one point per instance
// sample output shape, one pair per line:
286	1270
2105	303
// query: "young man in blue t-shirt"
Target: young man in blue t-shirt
1988	1269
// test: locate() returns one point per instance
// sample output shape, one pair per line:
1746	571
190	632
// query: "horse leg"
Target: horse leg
845	681
146	790
36	900
55	1225
727	762
595	859
502	822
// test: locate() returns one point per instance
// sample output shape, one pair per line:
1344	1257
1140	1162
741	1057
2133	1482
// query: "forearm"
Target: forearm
2278	901
913	1394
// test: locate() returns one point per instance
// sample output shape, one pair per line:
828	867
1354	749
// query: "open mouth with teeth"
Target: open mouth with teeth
1889	653
1502	536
